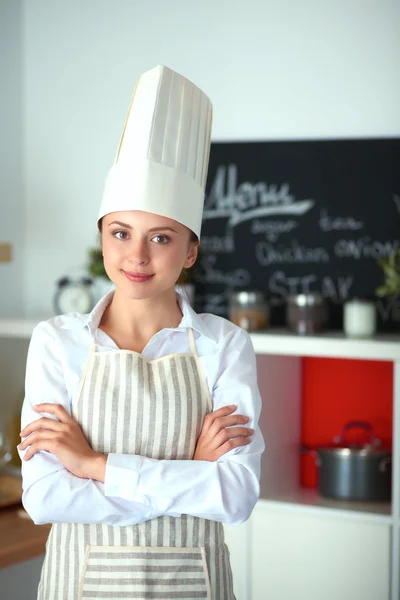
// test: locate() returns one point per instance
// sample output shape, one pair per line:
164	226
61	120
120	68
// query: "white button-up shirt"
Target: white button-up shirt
138	488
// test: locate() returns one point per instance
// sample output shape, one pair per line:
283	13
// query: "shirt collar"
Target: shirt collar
190	319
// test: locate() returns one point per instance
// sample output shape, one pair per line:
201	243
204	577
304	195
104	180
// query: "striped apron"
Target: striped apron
155	408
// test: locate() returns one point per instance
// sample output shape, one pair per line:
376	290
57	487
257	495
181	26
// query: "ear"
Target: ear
191	256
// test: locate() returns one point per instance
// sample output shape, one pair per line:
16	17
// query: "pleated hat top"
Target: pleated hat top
162	159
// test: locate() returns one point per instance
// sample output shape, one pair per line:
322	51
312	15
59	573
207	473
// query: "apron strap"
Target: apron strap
83	377
191	341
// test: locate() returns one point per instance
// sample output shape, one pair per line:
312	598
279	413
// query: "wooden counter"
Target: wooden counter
20	538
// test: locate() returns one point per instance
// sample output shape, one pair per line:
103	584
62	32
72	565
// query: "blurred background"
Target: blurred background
274	70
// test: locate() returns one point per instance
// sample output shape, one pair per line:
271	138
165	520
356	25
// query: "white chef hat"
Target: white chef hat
162	159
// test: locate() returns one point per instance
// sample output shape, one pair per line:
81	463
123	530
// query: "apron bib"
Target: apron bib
154	408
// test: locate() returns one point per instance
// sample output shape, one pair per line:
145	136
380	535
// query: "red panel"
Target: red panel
335	391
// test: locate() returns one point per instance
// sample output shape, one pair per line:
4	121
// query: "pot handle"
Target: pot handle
307	450
342	438
314	453
384	463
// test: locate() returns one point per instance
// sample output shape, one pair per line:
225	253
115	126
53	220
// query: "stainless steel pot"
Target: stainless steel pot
349	471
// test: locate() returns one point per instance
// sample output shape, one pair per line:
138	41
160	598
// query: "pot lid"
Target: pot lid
371	445
367	452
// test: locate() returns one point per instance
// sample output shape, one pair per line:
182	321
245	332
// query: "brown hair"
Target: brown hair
185	275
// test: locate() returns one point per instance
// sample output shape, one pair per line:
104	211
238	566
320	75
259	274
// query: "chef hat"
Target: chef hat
162	159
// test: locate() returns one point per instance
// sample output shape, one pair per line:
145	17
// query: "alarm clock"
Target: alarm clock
74	295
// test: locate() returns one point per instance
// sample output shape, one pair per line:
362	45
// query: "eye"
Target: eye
164	239
120	235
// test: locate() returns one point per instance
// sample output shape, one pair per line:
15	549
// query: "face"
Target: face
144	253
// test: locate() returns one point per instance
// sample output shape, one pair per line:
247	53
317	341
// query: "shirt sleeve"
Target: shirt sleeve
225	490
51	494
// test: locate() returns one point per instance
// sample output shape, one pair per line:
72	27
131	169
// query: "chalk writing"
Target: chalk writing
328	223
338	288
364	248
272	229
389	309
206	273
396	200
247	201
218	244
267	254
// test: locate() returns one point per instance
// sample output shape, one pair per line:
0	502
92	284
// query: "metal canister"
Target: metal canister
248	309
306	313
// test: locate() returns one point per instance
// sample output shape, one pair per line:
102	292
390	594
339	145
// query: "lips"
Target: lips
138	277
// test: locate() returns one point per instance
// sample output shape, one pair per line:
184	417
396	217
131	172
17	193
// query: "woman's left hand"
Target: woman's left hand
63	438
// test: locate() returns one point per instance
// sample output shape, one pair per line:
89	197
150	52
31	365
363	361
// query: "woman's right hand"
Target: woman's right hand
219	434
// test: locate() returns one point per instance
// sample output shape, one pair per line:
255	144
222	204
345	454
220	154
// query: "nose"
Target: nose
138	252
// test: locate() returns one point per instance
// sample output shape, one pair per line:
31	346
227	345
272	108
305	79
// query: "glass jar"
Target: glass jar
306	313
359	318
249	310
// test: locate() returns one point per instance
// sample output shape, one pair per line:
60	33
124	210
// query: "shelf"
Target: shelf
330	345
273	341
309	500
19	328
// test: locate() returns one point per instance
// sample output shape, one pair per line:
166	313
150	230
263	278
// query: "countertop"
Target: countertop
20	538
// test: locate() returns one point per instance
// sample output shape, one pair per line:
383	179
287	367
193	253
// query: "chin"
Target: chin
135	292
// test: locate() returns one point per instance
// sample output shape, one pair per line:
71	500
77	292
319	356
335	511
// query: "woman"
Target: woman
149	438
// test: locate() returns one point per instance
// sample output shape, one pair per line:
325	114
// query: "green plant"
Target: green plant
391	270
96	264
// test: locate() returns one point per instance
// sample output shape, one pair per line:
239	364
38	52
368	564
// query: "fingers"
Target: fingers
221	432
216	414
222	417
231	433
222	422
43	423
230	444
40	440
55	409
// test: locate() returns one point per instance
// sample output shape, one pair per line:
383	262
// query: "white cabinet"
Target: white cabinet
279	356
297	556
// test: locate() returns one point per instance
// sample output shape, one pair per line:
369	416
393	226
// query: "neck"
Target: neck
141	319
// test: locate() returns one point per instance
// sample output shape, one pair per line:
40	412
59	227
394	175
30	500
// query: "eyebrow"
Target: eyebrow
152	229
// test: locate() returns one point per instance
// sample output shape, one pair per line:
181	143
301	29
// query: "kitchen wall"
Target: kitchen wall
12	215
274	70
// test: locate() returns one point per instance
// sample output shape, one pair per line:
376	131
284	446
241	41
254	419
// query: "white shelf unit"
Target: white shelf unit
333	344
279	355
309	501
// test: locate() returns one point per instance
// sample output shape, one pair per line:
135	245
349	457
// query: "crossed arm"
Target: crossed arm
65	480
221	432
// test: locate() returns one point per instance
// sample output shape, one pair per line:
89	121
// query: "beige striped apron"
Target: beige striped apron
155	408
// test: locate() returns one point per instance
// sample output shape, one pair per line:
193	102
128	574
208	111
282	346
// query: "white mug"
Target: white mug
359	318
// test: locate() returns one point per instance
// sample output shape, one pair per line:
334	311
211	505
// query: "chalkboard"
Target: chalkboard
297	217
